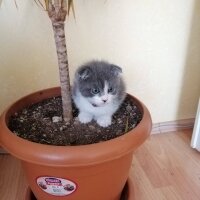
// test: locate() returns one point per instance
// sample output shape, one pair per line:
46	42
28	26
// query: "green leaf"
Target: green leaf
16	4
64	3
39	3
69	6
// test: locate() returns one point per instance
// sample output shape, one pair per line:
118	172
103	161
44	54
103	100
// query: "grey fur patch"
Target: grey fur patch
94	74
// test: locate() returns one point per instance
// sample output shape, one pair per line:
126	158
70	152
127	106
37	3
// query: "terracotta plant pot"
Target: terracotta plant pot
86	172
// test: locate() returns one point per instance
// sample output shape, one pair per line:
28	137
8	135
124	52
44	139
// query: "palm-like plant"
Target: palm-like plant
57	11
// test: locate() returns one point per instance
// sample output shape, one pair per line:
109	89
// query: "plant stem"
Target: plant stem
57	15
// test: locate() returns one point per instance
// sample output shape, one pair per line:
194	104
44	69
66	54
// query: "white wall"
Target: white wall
156	42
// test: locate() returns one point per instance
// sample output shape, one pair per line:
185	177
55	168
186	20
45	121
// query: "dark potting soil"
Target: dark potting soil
42	123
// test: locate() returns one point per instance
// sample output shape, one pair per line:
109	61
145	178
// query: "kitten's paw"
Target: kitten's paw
104	121
85	117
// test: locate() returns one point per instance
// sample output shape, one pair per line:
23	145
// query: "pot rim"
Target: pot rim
72	156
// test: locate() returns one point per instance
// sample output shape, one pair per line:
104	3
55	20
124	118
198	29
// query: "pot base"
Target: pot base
127	193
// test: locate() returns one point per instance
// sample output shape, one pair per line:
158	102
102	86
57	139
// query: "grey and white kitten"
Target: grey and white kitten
98	91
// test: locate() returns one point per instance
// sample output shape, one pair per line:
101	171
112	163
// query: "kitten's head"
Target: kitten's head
100	83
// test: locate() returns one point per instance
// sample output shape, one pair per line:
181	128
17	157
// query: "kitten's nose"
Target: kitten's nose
104	98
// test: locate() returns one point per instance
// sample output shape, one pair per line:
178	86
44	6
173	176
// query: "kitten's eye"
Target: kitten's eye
95	91
110	89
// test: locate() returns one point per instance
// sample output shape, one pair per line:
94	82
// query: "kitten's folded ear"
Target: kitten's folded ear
116	70
84	72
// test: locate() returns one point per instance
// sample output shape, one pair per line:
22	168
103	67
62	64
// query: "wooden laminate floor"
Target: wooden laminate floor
164	168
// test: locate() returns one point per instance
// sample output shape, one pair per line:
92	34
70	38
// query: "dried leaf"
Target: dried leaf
126	127
71	6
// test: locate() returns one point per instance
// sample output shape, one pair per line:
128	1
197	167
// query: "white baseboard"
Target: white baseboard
162	127
172	126
195	143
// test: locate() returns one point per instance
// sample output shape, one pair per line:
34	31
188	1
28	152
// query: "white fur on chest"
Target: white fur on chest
85	106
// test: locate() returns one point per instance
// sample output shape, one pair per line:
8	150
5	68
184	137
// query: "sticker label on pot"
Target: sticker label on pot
56	186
